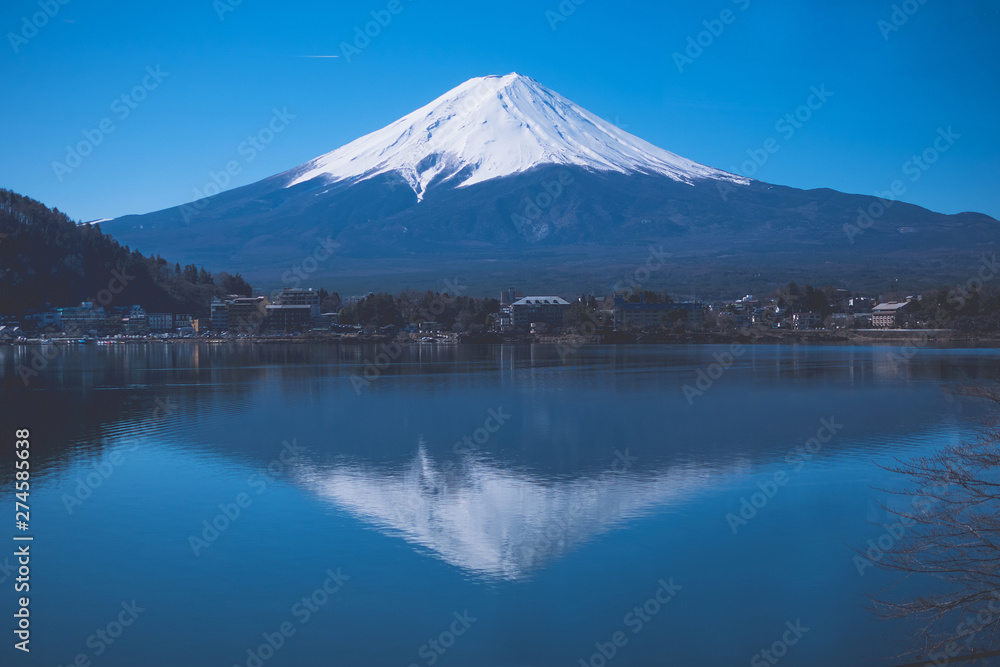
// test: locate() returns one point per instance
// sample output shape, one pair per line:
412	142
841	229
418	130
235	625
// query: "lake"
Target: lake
242	504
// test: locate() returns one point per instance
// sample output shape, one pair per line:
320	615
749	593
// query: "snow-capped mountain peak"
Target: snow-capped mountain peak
496	126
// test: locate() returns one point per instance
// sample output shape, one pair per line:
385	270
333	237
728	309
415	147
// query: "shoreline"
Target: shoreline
812	337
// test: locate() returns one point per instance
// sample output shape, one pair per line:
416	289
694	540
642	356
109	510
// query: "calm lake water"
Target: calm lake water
466	506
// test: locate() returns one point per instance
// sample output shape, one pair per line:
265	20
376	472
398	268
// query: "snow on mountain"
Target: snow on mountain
495	126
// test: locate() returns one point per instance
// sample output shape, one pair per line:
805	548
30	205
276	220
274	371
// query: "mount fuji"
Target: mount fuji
496	127
502	181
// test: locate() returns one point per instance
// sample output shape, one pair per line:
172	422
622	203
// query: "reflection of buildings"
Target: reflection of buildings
490	520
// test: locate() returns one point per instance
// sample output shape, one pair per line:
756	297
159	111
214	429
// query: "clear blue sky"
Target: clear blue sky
940	69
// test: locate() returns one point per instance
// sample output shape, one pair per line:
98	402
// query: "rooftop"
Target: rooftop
541	301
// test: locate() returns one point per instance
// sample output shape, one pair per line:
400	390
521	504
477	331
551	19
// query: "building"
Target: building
220	314
538	309
183	322
246	314
860	304
807	320
161	322
293	296
325	321
135	320
643	315
888	315
431	327
281	318
509	296
82	319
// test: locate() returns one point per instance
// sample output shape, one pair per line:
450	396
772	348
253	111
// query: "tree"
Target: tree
233	284
330	303
649	297
950	533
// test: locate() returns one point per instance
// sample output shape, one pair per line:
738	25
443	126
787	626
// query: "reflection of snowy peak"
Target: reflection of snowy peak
492	521
491	127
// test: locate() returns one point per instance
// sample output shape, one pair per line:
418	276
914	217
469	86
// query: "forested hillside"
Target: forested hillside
48	259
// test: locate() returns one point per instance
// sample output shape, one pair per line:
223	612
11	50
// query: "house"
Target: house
643	315
538	309
888	315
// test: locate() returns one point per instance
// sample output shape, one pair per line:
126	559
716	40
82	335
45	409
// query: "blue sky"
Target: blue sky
221	78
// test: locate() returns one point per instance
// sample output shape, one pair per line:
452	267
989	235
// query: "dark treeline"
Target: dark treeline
46	259
464	313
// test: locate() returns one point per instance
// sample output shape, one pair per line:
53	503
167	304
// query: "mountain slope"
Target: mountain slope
502	181
492	127
46	258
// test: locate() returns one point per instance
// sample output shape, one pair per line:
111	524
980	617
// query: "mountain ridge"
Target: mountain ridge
492	127
547	221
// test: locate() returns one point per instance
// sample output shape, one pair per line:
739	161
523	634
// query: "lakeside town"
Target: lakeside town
439	317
